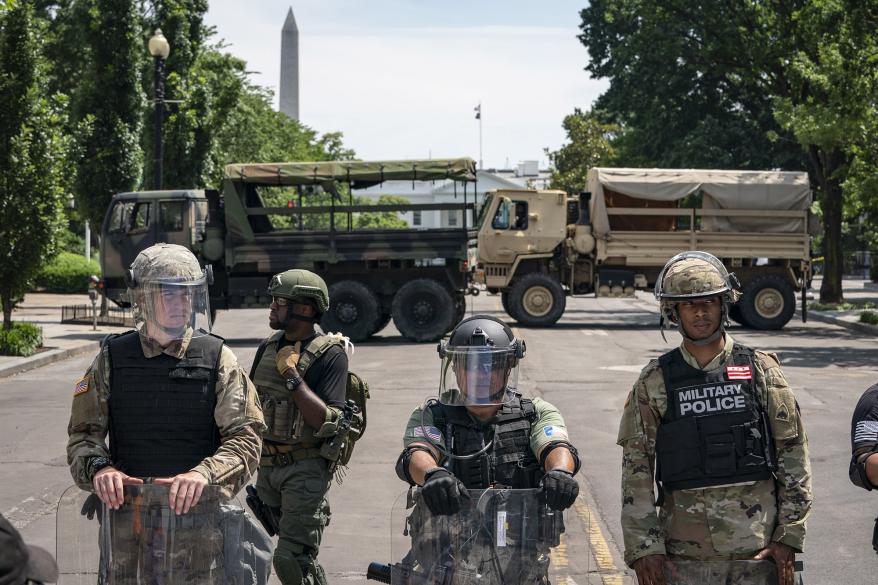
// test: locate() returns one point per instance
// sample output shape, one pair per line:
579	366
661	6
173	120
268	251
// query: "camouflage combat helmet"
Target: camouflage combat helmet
694	275
164	262
300	284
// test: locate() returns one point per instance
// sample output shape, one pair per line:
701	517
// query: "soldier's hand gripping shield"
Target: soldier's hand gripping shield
145	543
499	537
169	293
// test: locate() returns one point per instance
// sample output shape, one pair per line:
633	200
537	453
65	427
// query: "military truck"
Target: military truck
273	217
536	248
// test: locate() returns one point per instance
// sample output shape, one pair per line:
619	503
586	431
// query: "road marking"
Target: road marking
558	555
593	332
634	369
600	549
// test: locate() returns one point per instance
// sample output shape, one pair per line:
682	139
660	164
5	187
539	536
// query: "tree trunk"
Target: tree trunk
6	301
826	166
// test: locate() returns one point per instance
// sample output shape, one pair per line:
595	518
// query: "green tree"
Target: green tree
109	102
381	220
33	150
589	144
741	85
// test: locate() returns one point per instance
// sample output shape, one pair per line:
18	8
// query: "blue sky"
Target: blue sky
400	78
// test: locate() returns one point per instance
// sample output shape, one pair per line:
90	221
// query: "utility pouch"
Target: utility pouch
720	454
678	450
279	417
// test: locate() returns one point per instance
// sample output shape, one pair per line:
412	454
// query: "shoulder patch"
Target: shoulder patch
554	432
768	359
81	386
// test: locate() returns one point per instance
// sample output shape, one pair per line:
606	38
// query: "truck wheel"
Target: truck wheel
504	300
423	310
383	320
768	302
353	310
536	300
735	314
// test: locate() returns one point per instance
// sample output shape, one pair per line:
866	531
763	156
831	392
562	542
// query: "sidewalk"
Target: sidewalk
854	290
59	341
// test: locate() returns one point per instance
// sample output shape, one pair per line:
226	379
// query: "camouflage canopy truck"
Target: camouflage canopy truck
274	217
538	247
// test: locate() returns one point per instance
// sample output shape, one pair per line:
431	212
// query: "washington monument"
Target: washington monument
289	67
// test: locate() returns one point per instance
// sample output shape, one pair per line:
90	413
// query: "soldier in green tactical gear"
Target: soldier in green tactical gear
300	375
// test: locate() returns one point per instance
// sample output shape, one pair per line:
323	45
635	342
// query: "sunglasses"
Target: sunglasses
280	301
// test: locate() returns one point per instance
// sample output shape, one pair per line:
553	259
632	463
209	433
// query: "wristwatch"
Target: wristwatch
95	464
293	382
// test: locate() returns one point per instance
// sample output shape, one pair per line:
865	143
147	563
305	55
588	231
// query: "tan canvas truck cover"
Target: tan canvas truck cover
310	173
723	190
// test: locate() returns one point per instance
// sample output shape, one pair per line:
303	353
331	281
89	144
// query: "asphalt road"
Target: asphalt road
585	365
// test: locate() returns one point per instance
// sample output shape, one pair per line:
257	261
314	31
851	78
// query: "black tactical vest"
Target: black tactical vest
715	430
161	408
509	462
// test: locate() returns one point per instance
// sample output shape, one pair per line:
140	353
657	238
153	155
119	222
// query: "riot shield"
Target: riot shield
145	543
740	572
499	537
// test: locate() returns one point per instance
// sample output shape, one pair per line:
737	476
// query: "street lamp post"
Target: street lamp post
159	49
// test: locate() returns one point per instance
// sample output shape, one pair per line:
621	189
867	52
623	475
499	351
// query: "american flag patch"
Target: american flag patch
738	373
866	431
81	386
428	432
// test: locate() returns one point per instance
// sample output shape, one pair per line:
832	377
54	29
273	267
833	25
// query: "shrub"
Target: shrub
22	340
870	317
67	273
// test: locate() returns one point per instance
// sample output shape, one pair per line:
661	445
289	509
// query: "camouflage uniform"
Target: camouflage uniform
722	522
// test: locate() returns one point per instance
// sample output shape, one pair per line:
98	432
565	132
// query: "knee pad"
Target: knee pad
287	566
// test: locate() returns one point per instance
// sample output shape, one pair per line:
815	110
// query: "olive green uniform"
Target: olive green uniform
721	522
293	476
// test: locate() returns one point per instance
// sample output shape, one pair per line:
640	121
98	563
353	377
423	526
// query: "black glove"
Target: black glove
90	506
442	492
560	489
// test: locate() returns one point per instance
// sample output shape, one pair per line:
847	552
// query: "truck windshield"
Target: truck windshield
483	211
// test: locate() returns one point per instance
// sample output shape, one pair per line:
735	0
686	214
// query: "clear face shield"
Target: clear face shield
172	308
478	376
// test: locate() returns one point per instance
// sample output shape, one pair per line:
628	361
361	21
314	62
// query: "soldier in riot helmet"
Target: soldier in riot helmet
171	397
482	433
716	426
301	376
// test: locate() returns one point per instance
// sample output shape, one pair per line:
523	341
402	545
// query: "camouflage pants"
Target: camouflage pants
299	490
156	548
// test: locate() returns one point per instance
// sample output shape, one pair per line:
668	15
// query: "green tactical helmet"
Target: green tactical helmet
300	284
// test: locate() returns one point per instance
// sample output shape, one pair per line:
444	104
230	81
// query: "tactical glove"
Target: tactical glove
442	492
288	357
560	489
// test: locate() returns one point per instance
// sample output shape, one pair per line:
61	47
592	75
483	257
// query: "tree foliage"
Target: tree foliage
33	151
780	84
589	145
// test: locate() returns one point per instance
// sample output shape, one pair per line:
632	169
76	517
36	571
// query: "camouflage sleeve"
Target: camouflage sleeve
641	530
89	420
864	437
239	418
548	428
793	476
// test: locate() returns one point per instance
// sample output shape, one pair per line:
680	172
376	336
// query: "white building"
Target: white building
525	176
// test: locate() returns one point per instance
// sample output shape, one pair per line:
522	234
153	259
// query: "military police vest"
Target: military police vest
508	462
284	421
715	430
162	408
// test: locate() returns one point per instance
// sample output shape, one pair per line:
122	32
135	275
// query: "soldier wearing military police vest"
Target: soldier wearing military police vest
715	426
301	375
481	432
170	397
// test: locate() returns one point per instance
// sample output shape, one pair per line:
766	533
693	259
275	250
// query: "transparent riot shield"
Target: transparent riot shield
741	572
145	543
499	537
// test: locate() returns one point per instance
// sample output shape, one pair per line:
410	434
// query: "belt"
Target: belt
279	455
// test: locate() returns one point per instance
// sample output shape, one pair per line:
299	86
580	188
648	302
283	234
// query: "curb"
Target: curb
870	285
48	357
852	325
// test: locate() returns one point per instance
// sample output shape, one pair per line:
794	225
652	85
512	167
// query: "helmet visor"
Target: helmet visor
478	376
172	308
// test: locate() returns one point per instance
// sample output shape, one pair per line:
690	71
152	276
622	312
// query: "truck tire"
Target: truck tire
735	314
423	310
536	300
504	300
353	310
383	320
768	302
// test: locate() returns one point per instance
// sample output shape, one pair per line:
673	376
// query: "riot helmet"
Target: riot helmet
300	287
479	363
690	276
168	289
